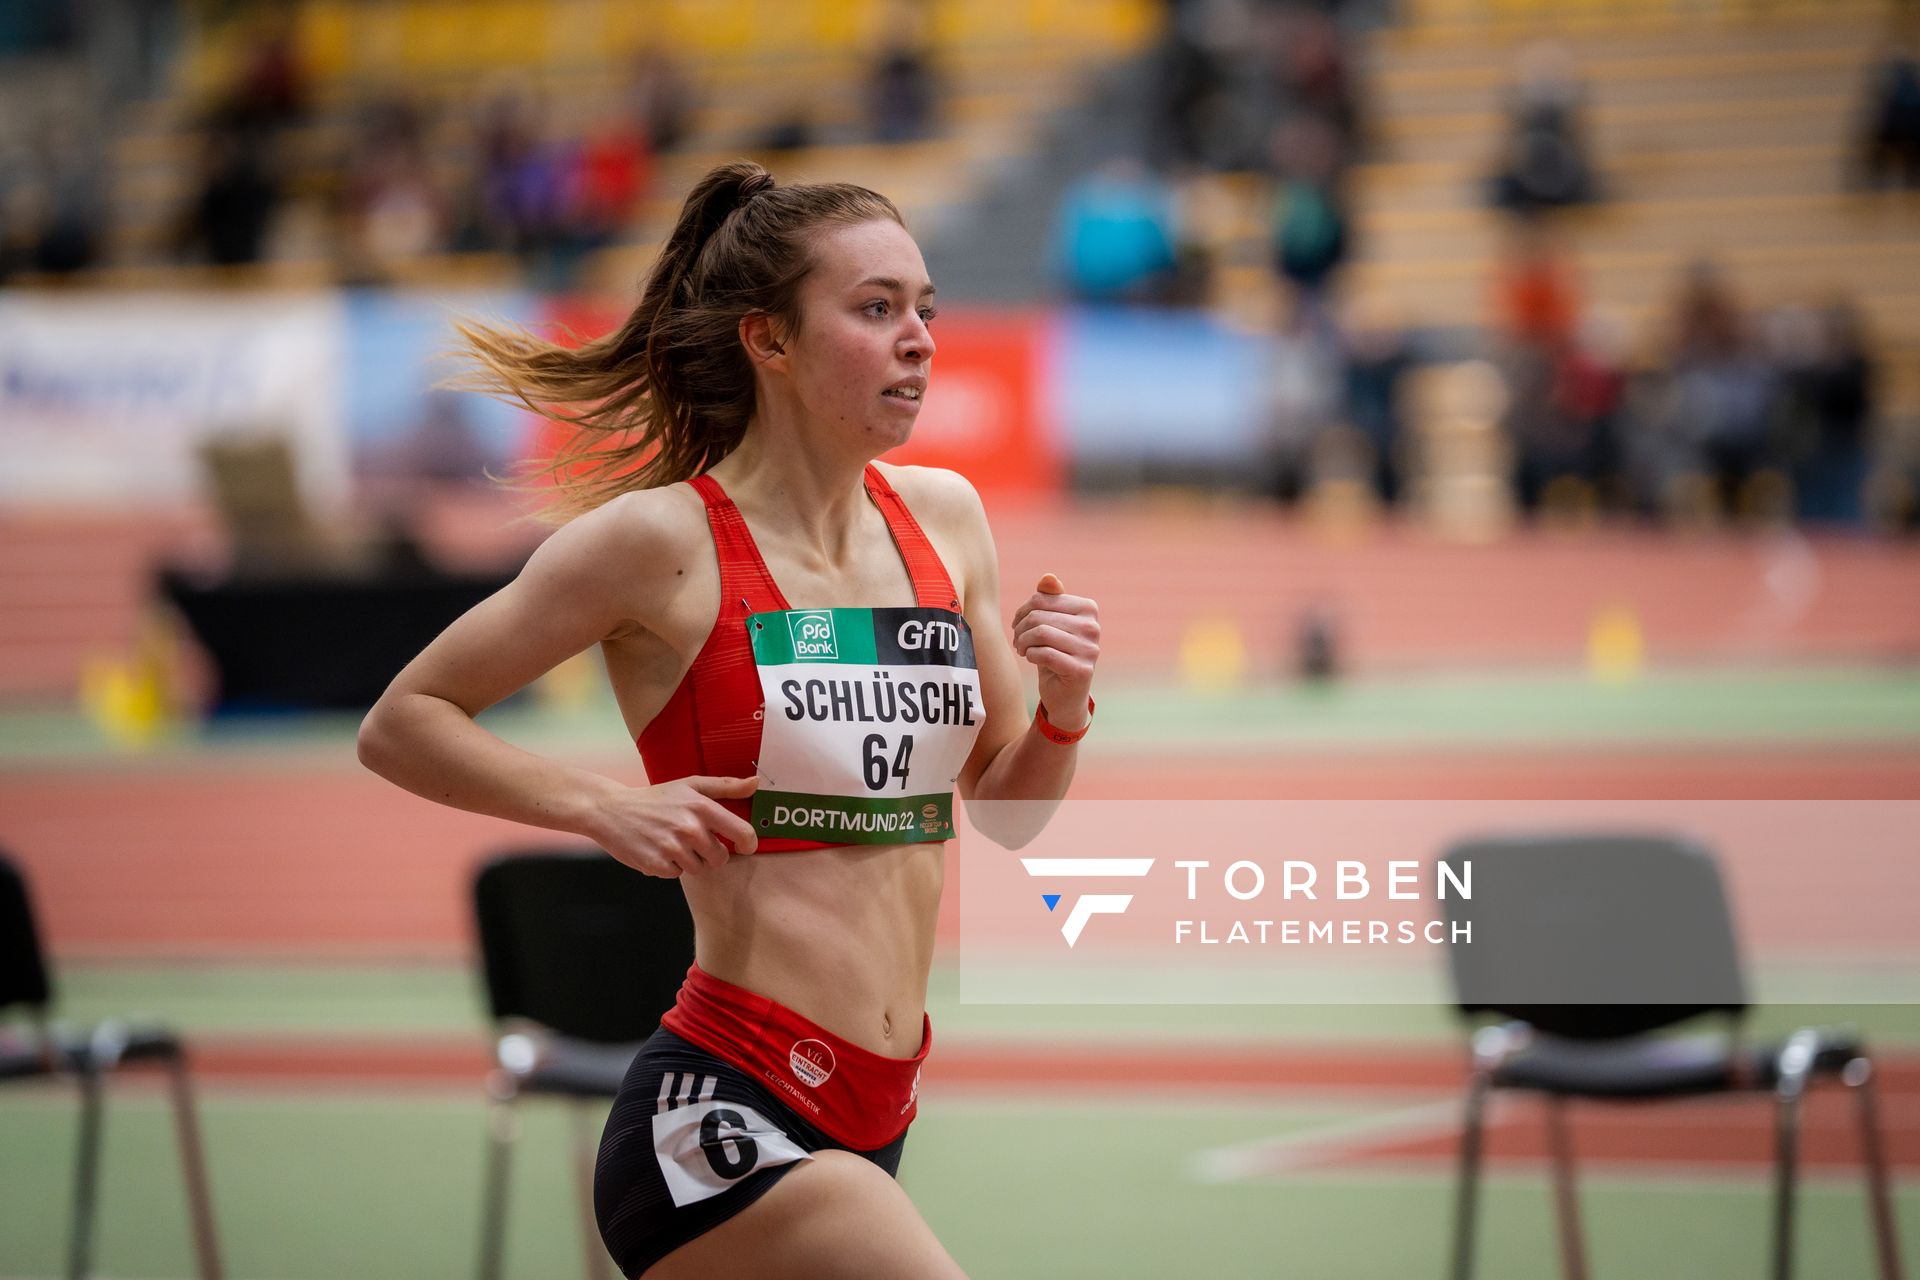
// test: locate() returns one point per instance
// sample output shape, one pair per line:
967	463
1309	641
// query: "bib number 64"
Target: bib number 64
877	769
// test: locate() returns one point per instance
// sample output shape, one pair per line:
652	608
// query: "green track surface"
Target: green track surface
1793	706
373	1185
376	1182
439	1000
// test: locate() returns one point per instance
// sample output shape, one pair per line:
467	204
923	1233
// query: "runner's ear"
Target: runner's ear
757	335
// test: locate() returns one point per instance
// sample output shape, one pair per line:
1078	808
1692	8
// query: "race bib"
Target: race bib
869	715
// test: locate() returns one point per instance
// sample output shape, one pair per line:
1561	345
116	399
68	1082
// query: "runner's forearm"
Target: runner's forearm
432	748
1029	768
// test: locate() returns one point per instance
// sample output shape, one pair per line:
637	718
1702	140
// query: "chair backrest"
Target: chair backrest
581	944
1593	936
23	964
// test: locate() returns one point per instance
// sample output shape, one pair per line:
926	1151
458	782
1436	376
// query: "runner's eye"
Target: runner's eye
877	302
928	314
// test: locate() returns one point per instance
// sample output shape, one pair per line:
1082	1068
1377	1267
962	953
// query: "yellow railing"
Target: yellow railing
382	39
1441	12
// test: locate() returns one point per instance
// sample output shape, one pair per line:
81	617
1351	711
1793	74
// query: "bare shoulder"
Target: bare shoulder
627	533
939	498
623	551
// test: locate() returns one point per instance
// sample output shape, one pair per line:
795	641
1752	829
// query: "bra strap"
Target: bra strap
932	588
744	575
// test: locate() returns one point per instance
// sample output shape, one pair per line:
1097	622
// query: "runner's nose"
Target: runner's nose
918	345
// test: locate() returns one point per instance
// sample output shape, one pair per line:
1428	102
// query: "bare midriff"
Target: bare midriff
842	936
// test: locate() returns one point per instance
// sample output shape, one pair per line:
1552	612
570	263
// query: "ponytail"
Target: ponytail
670	392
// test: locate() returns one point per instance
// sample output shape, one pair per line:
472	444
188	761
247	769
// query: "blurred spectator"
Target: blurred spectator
271	89
39	26
1827	401
134	42
1565	378
790	130
1544	161
505	137
616	169
230	216
1719	396
52	210
1312	73
659	99
1536	292
1379	355
1303	399
68	238
1192	93
1114	242
901	87
1563	418
1310	222
1889	145
392	212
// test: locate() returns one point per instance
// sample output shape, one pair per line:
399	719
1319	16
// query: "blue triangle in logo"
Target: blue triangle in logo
1051	899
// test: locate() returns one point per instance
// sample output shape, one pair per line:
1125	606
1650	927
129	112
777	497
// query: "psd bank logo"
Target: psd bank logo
1087	905
812	637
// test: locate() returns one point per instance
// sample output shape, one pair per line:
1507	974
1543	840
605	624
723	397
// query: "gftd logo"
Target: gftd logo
1087	905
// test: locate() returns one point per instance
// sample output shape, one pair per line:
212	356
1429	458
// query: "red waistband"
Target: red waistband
855	1096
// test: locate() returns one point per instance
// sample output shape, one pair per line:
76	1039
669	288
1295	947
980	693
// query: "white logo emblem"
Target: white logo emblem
812	637
914	634
1086	906
812	1063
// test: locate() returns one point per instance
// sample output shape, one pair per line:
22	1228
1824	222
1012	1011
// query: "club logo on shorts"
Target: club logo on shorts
813	639
812	1063
913	1093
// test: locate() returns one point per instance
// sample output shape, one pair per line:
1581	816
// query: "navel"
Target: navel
886	1025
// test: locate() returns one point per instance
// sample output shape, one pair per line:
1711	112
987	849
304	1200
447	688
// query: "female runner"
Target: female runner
807	647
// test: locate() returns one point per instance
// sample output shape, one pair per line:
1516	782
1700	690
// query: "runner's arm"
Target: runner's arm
421	734
1011	759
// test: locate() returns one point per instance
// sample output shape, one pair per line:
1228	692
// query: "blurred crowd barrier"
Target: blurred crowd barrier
114	400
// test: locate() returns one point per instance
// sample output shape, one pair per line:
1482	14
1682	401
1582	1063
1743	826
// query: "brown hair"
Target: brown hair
674	376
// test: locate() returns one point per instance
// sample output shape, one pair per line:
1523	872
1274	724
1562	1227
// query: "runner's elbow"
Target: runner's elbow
371	744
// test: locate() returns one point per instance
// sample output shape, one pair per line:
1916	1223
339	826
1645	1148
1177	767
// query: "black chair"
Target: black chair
87	1056
582	956
1588	945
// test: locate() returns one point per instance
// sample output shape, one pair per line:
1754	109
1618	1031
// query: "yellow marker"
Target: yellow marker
1213	655
571	685
125	701
1616	649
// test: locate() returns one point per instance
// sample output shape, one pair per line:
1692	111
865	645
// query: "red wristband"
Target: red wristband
1061	736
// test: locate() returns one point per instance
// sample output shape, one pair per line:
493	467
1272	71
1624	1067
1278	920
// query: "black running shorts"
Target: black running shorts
693	1140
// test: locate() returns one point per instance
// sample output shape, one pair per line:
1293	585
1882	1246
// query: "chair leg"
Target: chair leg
206	1245
584	1151
1858	1075
1468	1185
502	1129
86	1173
1785	1173
1566	1203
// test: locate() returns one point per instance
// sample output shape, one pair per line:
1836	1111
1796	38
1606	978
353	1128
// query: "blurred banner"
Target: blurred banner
106	398
1133	386
989	414
399	345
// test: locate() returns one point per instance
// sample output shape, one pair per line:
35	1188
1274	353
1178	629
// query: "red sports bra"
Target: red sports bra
711	724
